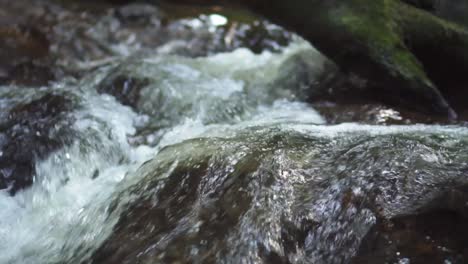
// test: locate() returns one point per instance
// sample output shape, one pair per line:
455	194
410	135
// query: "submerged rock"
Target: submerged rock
125	89
277	195
30	132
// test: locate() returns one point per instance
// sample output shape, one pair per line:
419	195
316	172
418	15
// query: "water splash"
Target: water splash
259	177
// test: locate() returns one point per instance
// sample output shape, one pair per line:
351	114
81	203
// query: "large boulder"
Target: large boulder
387	42
276	195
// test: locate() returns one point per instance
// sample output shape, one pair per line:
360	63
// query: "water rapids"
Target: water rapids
162	158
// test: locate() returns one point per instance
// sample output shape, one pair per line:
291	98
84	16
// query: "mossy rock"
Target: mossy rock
382	41
453	10
409	56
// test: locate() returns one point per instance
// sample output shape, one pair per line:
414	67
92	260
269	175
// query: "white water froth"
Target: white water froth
66	208
66	205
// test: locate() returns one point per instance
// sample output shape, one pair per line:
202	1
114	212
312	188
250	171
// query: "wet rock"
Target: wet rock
29	74
363	112
312	76
341	98
267	195
31	132
124	88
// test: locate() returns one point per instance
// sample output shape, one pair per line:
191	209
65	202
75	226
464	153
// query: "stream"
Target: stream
184	152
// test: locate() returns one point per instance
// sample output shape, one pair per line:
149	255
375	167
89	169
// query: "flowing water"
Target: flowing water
155	157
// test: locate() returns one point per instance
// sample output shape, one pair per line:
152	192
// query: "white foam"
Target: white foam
65	206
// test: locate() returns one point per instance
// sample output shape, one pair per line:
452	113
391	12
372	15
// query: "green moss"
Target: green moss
374	25
387	42
408	65
425	25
